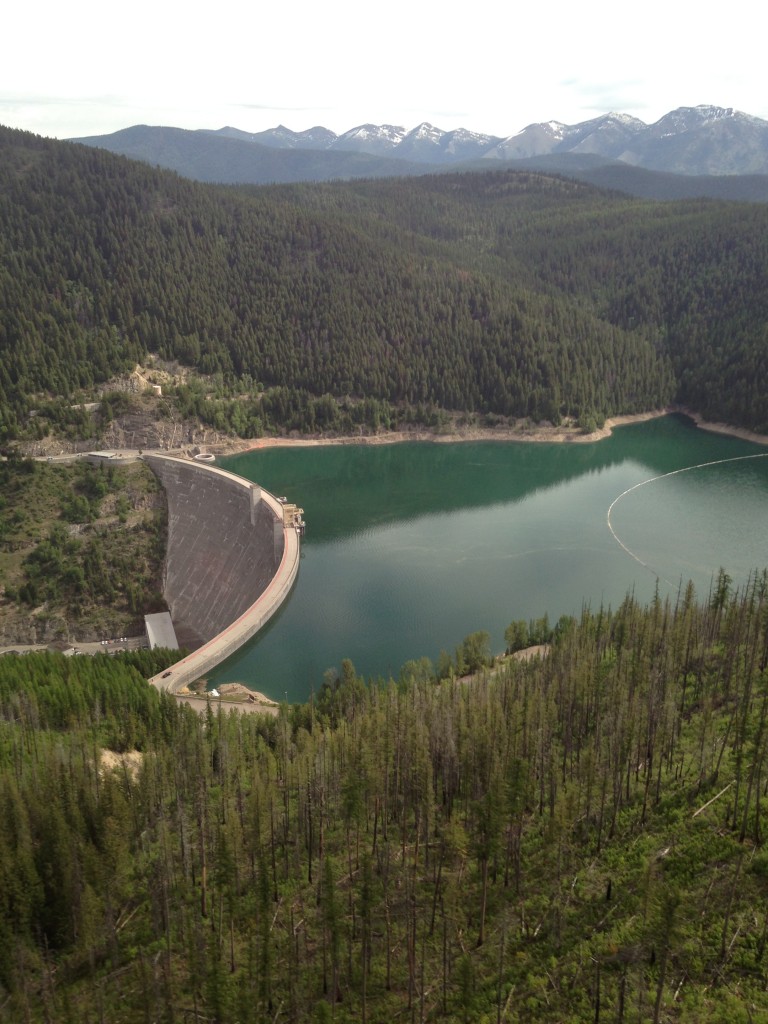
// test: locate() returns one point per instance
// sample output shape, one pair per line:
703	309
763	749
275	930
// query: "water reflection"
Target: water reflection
410	547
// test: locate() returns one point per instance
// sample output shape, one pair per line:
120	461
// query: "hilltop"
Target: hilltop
371	306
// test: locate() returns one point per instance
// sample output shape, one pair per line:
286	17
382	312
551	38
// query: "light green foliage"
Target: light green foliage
516	636
474	653
574	836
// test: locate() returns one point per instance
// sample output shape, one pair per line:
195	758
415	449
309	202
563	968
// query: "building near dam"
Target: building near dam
160	632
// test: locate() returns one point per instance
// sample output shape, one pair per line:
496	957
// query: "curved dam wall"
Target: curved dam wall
230	562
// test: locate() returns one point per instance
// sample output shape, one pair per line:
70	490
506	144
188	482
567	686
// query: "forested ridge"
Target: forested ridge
349	304
577	837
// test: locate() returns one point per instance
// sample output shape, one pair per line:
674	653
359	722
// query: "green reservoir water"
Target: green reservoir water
410	547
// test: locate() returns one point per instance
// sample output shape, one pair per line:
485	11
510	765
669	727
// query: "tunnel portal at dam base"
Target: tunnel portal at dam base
232	558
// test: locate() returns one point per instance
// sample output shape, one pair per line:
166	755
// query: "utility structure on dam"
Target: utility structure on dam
232	558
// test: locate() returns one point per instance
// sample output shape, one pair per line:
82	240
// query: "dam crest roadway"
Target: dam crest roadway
232	558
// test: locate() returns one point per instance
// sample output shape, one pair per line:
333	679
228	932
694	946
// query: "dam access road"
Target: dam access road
231	562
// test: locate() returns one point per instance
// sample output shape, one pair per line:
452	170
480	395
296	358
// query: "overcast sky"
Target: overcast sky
87	67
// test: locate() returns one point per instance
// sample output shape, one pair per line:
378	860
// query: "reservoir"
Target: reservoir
410	547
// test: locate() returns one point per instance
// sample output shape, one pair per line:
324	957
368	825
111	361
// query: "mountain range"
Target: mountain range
702	141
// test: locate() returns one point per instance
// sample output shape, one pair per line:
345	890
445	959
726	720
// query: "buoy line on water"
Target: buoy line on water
653	479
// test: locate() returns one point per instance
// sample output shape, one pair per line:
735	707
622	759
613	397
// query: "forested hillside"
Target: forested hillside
328	306
575	838
81	550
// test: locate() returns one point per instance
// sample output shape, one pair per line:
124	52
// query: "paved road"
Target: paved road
115	644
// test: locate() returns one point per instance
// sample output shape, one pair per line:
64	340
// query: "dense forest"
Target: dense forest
578	837
575	837
348	305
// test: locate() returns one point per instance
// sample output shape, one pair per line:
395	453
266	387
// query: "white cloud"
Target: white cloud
89	68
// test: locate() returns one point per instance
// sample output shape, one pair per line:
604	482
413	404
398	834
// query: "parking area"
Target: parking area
113	645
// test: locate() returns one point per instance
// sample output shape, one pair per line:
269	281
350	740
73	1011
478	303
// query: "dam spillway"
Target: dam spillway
231	561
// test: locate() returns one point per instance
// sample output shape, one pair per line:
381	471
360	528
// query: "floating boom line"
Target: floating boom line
653	479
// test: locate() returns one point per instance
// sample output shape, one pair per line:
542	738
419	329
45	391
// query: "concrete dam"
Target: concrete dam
231	560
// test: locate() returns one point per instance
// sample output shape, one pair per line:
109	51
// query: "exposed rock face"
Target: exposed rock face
22	628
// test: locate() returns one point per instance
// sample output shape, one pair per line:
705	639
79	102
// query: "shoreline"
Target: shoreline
523	435
724	428
232	697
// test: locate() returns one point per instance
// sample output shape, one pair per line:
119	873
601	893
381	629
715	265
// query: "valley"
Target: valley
414	830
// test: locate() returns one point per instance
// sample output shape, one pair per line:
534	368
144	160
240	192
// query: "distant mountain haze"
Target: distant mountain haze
701	141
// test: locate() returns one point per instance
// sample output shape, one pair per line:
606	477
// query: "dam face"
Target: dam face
225	544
